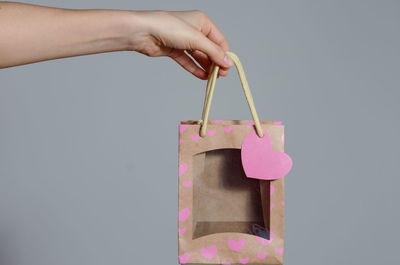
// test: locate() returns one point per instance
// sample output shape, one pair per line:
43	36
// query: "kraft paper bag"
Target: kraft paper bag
224	216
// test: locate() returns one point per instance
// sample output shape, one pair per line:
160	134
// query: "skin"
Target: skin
31	33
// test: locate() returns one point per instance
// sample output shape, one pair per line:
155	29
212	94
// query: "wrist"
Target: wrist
119	27
135	29
94	31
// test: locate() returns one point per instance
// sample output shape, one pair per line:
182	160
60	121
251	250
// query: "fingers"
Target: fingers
205	62
210	30
203	23
214	34
188	64
213	51
202	59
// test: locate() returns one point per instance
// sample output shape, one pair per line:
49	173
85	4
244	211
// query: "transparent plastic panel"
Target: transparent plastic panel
224	199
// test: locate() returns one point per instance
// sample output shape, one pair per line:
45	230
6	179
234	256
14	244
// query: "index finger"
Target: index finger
210	30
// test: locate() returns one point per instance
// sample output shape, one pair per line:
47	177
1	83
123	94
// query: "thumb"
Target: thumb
213	51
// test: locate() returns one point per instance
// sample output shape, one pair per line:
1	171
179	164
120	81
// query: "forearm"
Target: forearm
31	33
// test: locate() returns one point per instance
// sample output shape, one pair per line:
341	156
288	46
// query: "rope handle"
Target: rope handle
210	91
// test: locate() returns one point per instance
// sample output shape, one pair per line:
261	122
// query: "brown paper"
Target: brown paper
218	205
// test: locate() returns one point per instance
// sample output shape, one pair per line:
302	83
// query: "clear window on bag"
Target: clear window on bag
224	199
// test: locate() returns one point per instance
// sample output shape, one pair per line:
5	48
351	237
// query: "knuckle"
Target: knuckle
197	42
197	12
200	14
150	50
162	14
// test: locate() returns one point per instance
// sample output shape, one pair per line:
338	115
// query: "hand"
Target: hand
34	33
163	33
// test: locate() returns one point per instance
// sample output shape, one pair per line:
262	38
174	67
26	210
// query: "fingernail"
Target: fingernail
228	61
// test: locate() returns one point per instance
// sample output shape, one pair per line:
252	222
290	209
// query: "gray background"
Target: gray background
88	145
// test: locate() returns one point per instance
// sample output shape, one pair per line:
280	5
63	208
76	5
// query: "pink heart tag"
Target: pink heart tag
260	162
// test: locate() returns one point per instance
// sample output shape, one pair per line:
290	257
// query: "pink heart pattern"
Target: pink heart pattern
182	169
211	132
183	259
187	184
260	162
210	252
195	137
236	245
182	230
183	127
248	125
183	214
228	129
244	260
279	251
262	255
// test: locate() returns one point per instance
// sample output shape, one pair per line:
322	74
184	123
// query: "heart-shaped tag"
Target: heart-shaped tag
260	162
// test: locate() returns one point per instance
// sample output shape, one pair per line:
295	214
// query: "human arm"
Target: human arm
31	33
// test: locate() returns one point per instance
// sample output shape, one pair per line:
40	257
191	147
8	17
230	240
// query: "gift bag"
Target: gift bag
231	187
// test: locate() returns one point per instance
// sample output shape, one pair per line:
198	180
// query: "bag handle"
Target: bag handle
210	91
